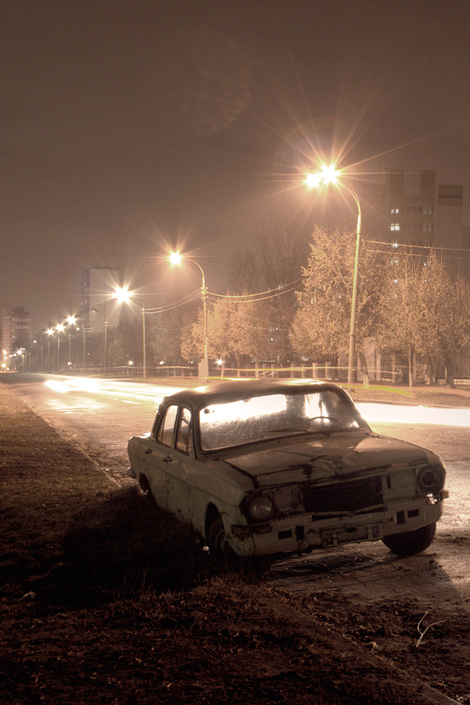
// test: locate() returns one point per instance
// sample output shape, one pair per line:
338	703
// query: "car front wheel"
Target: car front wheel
225	558
411	542
217	542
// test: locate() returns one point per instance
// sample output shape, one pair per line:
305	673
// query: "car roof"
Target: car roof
231	390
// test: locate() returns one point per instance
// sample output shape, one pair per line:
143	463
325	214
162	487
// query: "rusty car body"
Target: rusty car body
261	468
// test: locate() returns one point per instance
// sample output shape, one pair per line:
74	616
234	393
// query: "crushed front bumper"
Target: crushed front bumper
306	532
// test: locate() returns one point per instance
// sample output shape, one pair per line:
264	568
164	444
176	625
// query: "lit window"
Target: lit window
394	226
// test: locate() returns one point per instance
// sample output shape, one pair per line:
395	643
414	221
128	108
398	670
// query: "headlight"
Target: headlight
261	508
431	478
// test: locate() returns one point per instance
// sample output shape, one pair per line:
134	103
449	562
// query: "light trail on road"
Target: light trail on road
372	412
112	388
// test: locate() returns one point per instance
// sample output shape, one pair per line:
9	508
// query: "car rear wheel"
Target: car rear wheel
411	542
226	559
145	487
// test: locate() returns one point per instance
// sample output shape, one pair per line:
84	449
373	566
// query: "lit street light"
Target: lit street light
49	332
144	345
59	329
71	321
123	296
175	259
103	313
329	175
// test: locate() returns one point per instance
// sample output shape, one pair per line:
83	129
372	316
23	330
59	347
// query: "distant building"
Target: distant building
422	213
16	331
413	209
98	297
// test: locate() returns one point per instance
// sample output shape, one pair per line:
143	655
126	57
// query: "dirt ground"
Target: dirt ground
106	599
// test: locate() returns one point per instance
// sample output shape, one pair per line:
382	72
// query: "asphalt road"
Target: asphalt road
100	415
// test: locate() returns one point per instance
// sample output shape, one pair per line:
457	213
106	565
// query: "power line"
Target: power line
406	244
241	298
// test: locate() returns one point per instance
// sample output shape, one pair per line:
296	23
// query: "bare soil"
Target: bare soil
106	599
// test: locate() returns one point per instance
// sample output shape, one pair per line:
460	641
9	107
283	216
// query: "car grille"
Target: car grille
343	496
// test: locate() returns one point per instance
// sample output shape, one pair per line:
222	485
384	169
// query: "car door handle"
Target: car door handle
168	459
148	451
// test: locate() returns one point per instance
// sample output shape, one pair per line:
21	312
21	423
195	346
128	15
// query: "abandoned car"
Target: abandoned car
263	468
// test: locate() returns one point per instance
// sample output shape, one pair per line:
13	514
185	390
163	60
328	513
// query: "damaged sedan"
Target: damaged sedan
264	468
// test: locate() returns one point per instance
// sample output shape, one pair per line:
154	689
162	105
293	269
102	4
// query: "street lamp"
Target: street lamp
329	175
49	332
144	345
103	313
71	321
175	259
59	329
123	296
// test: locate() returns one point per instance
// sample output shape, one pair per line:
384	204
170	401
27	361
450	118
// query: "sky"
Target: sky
131	128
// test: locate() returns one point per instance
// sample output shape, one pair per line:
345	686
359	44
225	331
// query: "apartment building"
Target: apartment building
422	213
16	331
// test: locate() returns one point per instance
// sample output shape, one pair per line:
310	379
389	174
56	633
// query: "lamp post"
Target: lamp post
176	258
49	332
103	313
123	296
144	345
71	321
59	329
329	175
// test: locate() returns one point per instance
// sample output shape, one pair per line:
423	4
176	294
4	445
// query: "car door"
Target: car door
158	450
179	464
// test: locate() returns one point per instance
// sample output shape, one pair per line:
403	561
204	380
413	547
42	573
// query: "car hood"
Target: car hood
340	456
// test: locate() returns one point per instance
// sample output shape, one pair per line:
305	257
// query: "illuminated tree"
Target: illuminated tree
401	332
444	327
322	321
192	338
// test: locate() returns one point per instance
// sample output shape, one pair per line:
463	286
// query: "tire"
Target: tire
226	559
217	542
145	487
411	542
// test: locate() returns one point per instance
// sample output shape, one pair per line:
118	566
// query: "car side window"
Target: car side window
184	439
167	426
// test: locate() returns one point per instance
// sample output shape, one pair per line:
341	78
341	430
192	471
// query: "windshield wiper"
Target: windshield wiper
287	429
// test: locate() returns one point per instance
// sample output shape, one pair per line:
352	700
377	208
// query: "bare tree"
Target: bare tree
280	248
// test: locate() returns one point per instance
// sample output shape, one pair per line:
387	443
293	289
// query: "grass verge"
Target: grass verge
106	599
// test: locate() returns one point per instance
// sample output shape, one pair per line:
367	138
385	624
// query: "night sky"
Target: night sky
132	127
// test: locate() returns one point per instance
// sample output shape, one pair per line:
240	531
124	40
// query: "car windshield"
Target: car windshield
233	423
